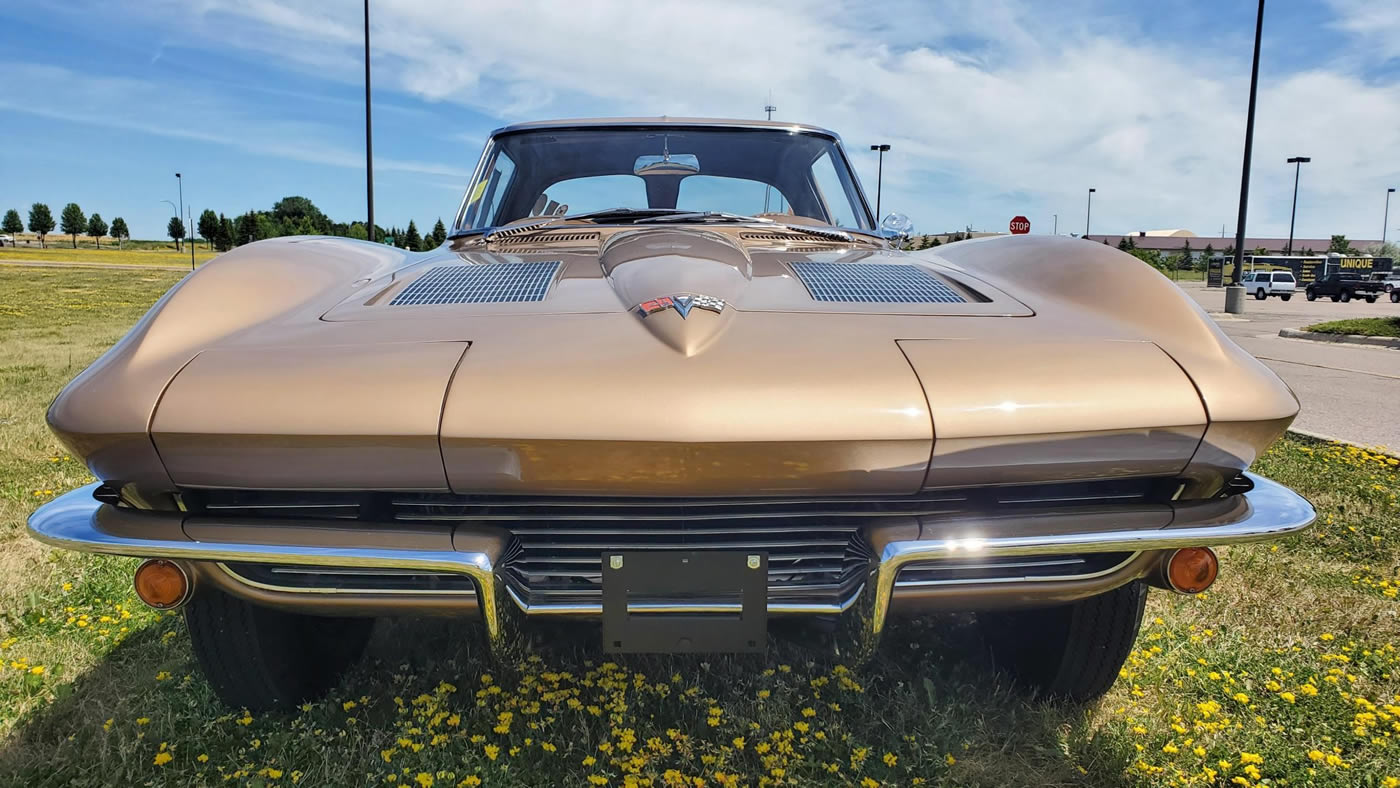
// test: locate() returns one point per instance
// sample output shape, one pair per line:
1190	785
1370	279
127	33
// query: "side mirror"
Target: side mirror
896	225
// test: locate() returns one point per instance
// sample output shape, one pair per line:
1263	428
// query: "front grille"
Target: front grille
817	551
1027	567
379	581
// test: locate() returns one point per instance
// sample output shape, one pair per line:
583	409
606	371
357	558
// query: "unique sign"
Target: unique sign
1310	269
1020	225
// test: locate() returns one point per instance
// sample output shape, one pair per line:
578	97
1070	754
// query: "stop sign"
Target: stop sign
1020	225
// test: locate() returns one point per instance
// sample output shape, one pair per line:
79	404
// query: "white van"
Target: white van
1270	283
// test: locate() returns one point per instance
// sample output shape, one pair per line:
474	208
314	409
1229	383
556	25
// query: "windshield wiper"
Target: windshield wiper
703	216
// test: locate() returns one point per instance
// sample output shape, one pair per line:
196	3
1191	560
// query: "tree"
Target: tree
439	233
1186	259
208	225
358	232
1388	249
291	210
936	242
223	233
1206	258
1341	245
96	228
411	240
12	226
40	221
119	230
246	229
1123	243
73	221
176	230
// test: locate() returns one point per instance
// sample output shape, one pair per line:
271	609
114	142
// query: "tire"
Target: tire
1310	295
1071	651
1346	296
1336	298
1260	295
261	659
1395	296
1285	296
1388	288
1370	299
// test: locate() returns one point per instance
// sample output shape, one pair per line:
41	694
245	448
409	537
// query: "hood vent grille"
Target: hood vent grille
490	283
881	283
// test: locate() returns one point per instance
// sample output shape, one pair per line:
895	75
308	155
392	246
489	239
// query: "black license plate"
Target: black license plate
685	602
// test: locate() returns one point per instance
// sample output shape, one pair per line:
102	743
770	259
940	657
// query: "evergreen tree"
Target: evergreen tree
12	225
223	236
247	229
73	221
96	228
176	230
1123	243
40	221
119	230
439	233
411	239
208	226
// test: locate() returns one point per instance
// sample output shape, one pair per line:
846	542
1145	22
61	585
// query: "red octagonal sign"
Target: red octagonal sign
1020	225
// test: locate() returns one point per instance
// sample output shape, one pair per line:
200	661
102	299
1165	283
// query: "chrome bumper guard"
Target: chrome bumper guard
77	521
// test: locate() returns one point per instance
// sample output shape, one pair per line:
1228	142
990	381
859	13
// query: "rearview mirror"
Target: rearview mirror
667	164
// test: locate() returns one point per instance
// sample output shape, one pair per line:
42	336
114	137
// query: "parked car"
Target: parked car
1389	281
676	420
1263	284
1344	286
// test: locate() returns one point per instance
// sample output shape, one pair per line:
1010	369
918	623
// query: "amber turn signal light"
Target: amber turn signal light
162	584
1191	570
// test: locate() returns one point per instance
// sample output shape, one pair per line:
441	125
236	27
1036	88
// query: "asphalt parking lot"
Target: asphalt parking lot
1346	390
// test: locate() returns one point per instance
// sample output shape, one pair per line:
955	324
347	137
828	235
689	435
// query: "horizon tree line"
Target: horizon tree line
293	215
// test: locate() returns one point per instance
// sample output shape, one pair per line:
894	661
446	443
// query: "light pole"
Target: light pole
1056	231
1234	294
369	137
1386	220
189	231
879	179
1297	162
1088	207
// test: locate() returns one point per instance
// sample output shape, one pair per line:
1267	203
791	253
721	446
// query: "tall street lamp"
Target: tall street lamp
1386	220
369	136
1056	231
1089	206
188	230
1297	162
879	179
1234	294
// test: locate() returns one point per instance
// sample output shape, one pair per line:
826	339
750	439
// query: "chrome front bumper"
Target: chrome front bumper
77	521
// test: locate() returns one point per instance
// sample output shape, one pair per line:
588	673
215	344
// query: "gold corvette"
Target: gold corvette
668	374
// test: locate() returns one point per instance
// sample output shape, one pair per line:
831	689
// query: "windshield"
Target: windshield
783	175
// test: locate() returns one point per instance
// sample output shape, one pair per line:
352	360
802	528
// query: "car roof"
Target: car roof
664	120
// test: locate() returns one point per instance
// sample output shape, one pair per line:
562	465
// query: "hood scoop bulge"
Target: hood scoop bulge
682	286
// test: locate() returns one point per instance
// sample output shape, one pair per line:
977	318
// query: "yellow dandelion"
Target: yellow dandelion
163	757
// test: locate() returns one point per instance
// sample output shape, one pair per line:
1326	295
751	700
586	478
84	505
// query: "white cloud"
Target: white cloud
981	100
164	110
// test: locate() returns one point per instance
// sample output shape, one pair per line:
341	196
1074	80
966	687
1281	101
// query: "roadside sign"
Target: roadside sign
1020	225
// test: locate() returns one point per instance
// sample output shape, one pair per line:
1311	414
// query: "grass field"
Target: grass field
64	253
1285	673
1363	326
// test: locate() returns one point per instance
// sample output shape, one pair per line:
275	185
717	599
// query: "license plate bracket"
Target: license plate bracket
685	602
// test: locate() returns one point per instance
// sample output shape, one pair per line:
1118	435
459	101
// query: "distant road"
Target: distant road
62	264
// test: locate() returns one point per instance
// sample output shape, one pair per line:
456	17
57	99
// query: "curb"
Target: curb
1319	436
1345	339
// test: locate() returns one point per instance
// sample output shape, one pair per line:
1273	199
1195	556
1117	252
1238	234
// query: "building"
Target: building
1173	244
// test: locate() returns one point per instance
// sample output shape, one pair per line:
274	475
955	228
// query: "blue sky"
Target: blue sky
994	108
